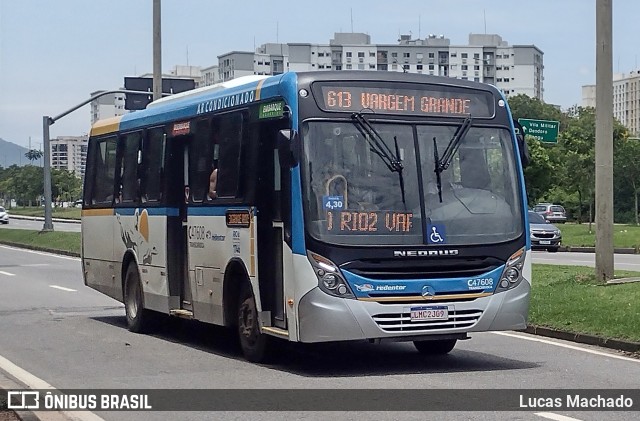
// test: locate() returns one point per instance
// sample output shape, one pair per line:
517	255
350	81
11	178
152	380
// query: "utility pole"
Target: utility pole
604	140
157	51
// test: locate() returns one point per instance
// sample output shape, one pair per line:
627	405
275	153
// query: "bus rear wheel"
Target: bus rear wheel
438	347
256	346
138	318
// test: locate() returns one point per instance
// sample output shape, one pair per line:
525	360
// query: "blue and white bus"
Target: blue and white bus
314	207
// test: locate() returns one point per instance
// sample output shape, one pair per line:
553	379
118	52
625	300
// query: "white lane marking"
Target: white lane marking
34	382
556	417
33	265
63	288
7	273
577	348
42	253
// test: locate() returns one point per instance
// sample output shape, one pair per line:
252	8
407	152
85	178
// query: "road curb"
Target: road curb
40	218
8	382
616	344
36	248
576	249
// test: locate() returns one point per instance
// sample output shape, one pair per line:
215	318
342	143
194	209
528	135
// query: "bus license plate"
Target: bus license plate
420	314
545	242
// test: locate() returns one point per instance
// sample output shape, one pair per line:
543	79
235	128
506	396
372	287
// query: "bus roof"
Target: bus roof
207	89
185	104
247	89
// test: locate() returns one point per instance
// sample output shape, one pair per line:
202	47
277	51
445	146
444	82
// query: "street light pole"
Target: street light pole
48	220
157	51
604	140
48	121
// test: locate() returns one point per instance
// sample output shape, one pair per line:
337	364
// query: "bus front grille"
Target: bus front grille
401	322
422	269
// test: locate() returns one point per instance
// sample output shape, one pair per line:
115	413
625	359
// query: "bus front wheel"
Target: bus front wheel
138	318
256	346
438	347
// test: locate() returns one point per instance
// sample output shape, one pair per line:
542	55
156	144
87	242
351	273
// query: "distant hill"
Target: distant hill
10	154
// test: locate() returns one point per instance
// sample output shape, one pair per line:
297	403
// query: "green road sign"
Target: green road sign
543	130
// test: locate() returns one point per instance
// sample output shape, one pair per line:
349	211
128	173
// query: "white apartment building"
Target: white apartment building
106	106
626	99
514	69
69	153
209	76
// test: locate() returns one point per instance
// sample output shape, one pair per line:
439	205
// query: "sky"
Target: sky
53	54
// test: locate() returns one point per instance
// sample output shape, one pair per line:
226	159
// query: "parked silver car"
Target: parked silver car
544	235
4	216
551	212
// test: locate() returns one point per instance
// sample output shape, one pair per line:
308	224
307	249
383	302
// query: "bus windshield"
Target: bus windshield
354	197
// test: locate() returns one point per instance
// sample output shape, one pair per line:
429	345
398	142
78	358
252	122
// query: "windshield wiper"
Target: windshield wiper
380	148
377	143
443	163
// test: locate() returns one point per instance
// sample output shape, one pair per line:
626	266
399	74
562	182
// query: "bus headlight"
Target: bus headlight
329	278
512	273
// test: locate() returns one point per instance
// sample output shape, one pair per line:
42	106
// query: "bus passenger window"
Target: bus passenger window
200	161
153	152
104	158
129	180
227	131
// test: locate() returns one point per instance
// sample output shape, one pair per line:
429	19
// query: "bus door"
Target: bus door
271	200
177	272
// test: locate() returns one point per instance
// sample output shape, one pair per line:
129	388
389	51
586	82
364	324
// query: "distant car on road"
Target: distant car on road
544	235
551	212
4	215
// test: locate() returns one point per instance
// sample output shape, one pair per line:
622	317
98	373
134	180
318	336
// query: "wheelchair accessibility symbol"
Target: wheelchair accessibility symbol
436	234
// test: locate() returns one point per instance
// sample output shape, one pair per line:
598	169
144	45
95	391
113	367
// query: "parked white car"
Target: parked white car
4	215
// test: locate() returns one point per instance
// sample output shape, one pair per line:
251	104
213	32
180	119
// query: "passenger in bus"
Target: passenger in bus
213	182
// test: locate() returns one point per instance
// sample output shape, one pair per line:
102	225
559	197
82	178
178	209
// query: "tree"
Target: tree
538	175
541	174
65	185
627	168
33	155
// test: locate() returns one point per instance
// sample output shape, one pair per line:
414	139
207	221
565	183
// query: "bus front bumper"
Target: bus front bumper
324	318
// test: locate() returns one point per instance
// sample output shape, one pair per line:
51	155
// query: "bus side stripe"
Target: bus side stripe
97	212
212	210
150	211
259	89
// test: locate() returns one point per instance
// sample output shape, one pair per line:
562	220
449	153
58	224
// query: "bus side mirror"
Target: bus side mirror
525	158
287	148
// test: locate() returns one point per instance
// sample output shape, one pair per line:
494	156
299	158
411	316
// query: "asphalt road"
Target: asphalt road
27	224
72	337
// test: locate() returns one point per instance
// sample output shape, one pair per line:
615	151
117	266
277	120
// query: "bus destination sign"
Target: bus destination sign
370	222
417	101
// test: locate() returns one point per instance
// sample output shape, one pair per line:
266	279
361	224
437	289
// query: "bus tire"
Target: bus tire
438	347
256	346
138	318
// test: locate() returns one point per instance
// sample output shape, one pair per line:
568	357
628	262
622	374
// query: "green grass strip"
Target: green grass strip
56	240
569	298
